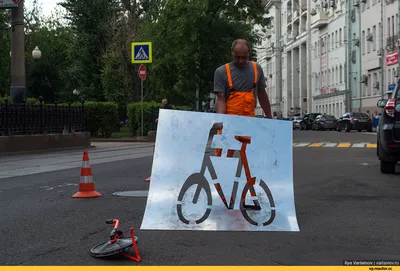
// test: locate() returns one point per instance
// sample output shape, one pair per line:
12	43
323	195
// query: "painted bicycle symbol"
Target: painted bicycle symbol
200	182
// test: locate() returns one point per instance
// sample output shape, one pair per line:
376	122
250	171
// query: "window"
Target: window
340	36
374	38
368	42
337	75
375	80
328	43
340	74
369	85
363	43
392	26
380	33
380	76
315	50
336	39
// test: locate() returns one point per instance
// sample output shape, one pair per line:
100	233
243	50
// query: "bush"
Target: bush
150	113
101	118
134	117
28	100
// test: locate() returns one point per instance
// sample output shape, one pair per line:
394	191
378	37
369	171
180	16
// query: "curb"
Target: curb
144	140
46	150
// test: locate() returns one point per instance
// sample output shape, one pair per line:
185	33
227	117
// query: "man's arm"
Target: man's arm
221	103
219	90
262	93
264	102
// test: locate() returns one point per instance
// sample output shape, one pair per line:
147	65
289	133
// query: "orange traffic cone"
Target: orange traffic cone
149	178
86	186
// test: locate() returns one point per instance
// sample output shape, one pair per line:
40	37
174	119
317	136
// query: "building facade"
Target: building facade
328	36
269	55
295	57
374	28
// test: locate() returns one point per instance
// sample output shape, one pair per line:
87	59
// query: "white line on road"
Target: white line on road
358	145
302	144
329	145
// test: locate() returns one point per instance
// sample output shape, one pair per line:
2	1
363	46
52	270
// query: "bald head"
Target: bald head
240	53
240	43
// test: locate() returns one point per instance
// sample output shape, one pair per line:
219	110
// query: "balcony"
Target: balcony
319	20
268	33
289	18
295	16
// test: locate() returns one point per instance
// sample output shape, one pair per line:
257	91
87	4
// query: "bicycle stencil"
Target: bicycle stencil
248	186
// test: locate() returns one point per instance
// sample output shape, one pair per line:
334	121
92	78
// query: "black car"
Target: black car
388	136
325	122
354	121
308	119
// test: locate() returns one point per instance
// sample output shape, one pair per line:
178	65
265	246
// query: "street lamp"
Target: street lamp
36	53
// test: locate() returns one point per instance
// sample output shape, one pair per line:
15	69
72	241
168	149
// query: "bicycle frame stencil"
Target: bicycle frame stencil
248	186
203	184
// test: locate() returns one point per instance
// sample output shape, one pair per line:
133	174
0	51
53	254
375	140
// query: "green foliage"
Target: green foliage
101	118
191	39
150	113
134	116
28	100
88	49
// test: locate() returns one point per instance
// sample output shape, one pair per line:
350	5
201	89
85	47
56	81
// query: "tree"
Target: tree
90	21
192	38
5	47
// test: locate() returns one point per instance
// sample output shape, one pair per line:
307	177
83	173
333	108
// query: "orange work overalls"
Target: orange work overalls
239	103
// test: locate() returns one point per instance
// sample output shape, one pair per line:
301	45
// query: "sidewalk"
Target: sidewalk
104	152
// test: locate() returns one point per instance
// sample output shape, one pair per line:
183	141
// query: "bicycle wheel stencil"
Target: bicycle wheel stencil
240	179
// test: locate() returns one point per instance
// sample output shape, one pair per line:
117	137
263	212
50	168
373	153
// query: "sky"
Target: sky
47	5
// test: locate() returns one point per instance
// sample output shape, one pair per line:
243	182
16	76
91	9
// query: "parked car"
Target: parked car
307	121
296	122
325	122
354	121
388	132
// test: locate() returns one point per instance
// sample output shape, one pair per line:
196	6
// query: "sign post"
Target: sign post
142	53
142	75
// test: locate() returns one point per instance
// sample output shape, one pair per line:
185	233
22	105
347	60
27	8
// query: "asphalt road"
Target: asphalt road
346	210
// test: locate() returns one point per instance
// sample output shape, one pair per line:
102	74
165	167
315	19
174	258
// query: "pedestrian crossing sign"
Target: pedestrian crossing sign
142	52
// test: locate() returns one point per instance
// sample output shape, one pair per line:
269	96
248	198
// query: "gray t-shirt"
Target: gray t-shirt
242	79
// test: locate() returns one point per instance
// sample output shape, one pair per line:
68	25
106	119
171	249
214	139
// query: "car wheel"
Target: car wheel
388	168
359	130
369	129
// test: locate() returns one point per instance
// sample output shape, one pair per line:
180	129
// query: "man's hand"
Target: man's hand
264	102
218	126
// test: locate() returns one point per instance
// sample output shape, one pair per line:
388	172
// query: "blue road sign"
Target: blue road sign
391	87
142	52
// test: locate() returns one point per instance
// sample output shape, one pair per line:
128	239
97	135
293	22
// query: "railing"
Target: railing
31	119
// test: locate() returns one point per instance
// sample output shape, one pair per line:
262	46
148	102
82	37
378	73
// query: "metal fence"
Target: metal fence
30	119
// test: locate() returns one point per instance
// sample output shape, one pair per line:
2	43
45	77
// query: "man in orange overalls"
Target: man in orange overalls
238	84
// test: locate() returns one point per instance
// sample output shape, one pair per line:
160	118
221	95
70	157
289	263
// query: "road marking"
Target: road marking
358	145
302	144
343	145
316	145
335	145
330	145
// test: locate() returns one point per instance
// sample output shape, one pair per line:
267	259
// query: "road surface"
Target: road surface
346	209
